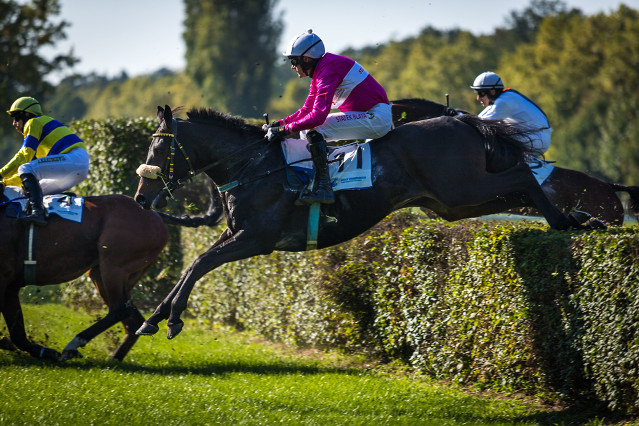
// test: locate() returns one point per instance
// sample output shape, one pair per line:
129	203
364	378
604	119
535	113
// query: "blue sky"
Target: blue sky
141	36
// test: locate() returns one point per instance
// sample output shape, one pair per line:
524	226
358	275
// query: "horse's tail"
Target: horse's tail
192	222
633	191
212	217
506	143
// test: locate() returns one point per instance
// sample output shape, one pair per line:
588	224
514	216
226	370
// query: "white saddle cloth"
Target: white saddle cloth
349	165
541	170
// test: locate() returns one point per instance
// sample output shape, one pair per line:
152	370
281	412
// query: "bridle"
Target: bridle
155	172
169	184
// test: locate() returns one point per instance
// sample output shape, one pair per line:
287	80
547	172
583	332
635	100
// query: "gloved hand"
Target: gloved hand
276	134
265	127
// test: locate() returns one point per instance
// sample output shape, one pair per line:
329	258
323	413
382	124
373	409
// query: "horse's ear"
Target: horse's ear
168	118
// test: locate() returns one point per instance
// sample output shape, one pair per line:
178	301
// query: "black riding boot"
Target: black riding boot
322	190
34	192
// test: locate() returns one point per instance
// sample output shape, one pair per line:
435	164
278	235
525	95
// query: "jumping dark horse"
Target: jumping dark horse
439	164
117	242
567	189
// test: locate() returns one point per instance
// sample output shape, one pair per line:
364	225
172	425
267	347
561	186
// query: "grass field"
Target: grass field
218	376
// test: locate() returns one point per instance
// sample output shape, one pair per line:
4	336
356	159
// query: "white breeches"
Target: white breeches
351	125
541	141
58	173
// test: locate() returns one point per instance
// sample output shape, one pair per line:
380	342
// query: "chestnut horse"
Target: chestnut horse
117	242
440	164
567	189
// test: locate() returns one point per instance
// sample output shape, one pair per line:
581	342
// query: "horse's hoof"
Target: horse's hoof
68	354
594	223
174	329
147	329
6	344
48	354
578	218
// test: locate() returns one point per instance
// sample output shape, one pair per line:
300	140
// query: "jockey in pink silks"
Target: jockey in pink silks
337	82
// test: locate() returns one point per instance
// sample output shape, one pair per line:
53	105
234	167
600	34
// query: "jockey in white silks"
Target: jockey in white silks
510	105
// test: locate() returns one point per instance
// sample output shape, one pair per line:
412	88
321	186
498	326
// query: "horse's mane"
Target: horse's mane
417	101
425	103
505	141
208	115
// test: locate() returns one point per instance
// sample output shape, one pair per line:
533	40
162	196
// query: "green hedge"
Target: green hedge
505	306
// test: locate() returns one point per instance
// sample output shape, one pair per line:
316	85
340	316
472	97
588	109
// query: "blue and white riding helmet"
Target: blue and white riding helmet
306	44
486	81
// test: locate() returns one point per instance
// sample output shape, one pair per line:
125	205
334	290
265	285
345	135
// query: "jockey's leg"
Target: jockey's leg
322	190
32	188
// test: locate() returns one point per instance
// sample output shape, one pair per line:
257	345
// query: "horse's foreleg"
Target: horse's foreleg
238	247
163	310
12	312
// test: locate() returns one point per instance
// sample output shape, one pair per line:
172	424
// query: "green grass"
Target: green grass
216	376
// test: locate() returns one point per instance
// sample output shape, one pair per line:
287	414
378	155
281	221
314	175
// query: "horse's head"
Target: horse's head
163	171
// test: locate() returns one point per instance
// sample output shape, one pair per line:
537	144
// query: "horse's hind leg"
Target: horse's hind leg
131	324
12	312
517	179
117	302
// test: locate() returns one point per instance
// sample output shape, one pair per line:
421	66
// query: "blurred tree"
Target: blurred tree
26	28
584	72
231	52
524	24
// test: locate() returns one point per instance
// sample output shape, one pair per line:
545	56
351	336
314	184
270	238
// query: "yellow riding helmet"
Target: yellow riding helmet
27	104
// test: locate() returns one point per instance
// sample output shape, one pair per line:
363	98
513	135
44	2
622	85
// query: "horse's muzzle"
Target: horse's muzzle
141	200
160	201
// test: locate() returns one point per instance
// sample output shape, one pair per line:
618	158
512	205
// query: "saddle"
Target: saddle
349	165
66	205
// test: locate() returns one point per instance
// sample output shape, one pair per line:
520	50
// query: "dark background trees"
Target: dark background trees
230	52
26	29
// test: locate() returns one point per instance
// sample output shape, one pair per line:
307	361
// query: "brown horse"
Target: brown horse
567	189
117	242
440	164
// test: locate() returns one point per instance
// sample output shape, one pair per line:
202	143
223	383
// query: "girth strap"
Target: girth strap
313	226
31	240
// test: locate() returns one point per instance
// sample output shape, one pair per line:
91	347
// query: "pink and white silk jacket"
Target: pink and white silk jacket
337	82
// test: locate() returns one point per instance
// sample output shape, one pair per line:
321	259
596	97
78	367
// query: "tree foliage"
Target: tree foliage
230	52
26	29
584	72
